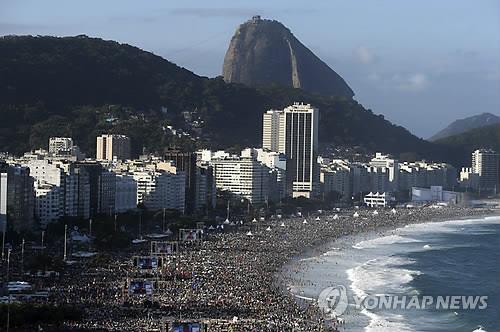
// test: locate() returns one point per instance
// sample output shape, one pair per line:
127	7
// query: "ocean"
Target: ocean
436	260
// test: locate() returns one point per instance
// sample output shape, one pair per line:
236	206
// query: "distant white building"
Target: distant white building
208	155
485	162
110	147
159	189
45	171
49	190
63	148
468	179
276	162
379	179
386	164
60	145
271	159
273	131
434	194
378	199
336	176
49	203
242	176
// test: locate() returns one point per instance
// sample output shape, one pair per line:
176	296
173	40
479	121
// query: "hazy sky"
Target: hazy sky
421	63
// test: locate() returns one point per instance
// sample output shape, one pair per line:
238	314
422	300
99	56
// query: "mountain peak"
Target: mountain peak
265	52
462	125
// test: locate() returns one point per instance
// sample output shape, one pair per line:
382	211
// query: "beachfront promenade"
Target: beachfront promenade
230	281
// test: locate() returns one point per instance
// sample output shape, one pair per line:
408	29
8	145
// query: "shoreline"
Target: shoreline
371	233
321	247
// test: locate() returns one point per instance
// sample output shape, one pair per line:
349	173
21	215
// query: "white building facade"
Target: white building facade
273	131
61	145
242	176
159	189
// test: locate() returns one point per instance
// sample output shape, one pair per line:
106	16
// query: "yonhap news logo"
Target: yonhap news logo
333	302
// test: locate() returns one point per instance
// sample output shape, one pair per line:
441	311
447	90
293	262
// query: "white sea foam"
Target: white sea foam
381	275
379	323
385	240
479	329
450	225
311	259
332	252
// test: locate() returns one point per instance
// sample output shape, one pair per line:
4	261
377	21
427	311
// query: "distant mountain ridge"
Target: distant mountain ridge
464	125
265	52
477	138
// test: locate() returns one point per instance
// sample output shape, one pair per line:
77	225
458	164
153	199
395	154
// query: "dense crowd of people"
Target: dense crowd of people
232	280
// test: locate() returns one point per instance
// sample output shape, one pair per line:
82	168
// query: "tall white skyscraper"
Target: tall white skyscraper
111	147
300	132
486	164
273	130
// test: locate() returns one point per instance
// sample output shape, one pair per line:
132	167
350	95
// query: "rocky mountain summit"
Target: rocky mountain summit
265	52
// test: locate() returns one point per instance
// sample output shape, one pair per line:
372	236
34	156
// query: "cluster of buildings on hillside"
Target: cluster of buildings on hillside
45	185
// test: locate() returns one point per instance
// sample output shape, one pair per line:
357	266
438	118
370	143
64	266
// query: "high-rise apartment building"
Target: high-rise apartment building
102	187
20	196
49	189
391	166
273	131
243	176
185	162
206	191
126	192
301	149
76	191
336	176
485	163
110	147
160	189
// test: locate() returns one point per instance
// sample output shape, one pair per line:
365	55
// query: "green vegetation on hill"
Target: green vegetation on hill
81	86
466	143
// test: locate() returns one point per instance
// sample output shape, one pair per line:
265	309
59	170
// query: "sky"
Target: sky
420	63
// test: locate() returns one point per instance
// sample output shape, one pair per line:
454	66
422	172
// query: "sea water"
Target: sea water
450	258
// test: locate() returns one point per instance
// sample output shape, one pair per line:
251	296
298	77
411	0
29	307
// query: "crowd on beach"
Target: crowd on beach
230	281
